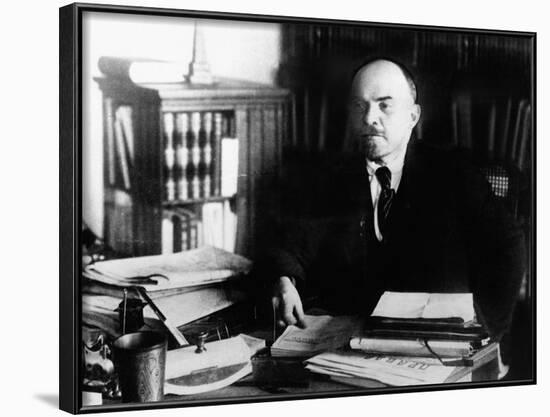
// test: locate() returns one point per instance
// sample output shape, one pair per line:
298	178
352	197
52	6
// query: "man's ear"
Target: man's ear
416	111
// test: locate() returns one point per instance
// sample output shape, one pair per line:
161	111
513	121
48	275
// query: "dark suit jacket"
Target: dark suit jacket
446	233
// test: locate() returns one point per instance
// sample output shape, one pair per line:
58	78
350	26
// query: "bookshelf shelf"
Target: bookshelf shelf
173	150
191	201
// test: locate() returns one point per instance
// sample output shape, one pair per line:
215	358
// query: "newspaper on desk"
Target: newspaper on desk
388	369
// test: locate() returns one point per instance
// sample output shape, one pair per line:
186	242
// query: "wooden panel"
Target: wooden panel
243	186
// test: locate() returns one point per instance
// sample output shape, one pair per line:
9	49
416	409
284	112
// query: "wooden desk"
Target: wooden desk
485	368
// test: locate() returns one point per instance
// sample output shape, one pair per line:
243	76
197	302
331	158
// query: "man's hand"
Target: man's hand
287	303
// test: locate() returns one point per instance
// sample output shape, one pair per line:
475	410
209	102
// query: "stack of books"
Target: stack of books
409	339
211	224
434	325
184	286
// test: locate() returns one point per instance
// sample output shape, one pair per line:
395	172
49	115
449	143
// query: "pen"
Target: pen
182	341
124	311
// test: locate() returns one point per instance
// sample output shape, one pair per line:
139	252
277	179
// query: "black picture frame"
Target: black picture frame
71	189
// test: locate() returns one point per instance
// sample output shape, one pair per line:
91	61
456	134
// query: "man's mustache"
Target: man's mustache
372	132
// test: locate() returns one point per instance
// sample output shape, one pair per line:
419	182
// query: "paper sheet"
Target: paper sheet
425	305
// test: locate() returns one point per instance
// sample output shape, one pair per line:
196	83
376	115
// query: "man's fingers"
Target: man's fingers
287	312
287	304
299	314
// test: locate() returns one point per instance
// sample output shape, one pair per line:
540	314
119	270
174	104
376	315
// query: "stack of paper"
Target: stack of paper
184	286
351	367
201	266
321	333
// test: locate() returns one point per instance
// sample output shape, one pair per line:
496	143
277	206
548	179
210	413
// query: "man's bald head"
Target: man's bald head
383	109
385	64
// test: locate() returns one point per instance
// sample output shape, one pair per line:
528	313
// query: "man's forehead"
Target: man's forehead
381	79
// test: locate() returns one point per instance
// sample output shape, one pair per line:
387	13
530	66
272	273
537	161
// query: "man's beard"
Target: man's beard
370	148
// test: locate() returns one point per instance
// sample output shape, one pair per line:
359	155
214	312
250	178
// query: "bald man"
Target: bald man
405	218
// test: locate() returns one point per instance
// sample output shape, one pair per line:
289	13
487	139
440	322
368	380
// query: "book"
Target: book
229	166
179	230
412	347
321	333
140	70
124	161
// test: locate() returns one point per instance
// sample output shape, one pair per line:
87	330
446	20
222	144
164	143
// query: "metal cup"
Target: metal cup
140	360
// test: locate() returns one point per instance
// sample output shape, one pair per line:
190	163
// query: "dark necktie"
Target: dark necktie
383	174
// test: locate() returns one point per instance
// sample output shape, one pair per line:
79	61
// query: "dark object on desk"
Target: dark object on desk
130	315
440	329
268	372
201	339
140	360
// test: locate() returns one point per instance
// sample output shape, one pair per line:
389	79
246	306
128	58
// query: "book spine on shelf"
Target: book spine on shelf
122	148
188	235
183	234
167	231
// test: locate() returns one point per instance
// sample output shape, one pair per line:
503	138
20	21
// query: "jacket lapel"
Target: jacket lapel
400	212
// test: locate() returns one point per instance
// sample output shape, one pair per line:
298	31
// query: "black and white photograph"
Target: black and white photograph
272	208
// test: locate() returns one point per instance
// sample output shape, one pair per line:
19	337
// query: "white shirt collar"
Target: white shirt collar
395	166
